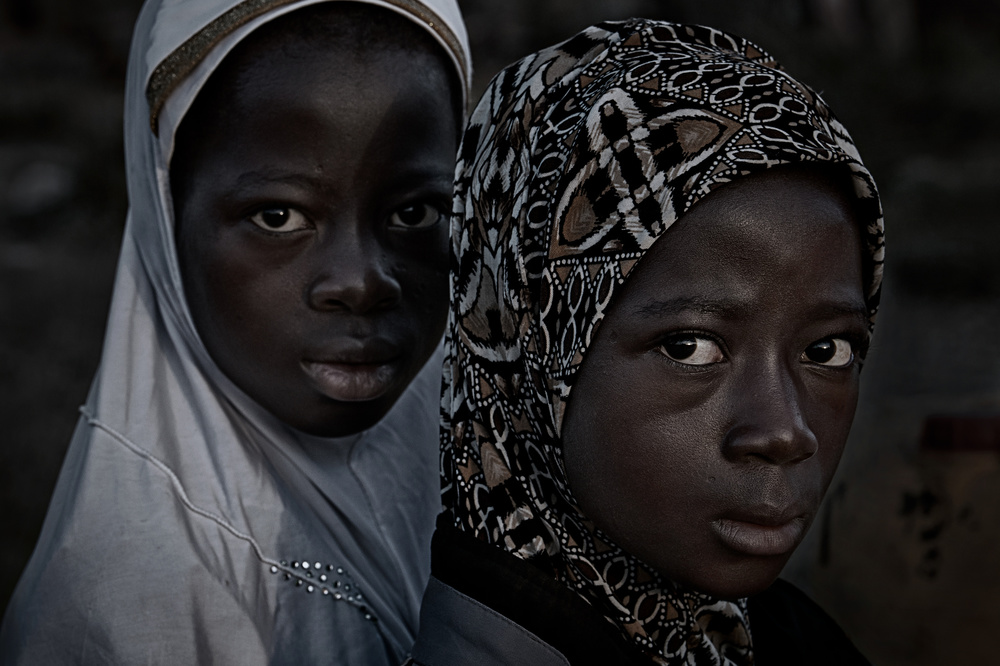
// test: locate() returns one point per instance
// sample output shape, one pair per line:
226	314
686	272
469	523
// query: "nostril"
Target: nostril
768	424
359	292
771	443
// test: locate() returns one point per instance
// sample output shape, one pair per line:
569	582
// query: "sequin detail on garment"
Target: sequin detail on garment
325	580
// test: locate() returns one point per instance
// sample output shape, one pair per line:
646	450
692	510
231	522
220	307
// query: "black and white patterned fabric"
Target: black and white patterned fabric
577	159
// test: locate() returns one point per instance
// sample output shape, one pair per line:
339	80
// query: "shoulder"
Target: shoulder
123	574
454	628
790	628
120	612
130	599
484	605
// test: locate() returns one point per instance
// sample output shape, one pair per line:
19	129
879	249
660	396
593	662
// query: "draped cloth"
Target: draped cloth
189	525
577	159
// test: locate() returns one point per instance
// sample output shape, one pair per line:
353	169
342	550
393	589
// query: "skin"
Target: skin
311	230
731	357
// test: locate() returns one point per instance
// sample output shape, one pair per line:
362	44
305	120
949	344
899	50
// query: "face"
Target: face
312	228
712	408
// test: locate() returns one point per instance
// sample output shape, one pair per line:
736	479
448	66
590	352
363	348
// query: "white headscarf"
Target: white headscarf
188	524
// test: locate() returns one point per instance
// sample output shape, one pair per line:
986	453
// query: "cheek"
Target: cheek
422	267
204	275
236	294
426	281
831	413
639	454
424	253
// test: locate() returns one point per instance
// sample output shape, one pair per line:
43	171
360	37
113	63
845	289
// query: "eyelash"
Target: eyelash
428	205
698	335
858	346
859	349
291	210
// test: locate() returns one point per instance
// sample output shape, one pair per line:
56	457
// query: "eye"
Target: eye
280	219
417	216
832	352
692	350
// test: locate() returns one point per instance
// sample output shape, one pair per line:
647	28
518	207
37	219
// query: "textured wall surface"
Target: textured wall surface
904	554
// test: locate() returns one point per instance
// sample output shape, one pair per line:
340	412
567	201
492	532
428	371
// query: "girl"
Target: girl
252	480
667	266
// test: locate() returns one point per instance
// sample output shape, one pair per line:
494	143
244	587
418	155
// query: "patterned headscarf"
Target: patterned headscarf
575	161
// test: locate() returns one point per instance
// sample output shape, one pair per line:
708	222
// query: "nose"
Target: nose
353	274
769	424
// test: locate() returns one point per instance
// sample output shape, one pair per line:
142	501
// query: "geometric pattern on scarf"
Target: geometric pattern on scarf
575	161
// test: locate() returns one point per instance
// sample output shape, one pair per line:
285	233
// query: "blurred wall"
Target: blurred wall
904	554
62	208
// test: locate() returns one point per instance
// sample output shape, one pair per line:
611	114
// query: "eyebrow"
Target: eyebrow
835	309
251	179
675	306
732	309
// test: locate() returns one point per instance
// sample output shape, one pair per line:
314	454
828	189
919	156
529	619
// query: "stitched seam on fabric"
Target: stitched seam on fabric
204	513
186	501
181	493
182	61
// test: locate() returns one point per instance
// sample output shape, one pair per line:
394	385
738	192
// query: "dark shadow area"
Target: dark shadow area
62	210
908	529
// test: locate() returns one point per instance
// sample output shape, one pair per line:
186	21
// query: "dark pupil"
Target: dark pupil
680	348
821	352
274	217
411	215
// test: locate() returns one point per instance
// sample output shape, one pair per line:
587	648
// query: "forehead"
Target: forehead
280	94
283	64
778	232
312	52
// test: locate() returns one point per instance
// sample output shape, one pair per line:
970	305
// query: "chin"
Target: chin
352	420
735	580
340	419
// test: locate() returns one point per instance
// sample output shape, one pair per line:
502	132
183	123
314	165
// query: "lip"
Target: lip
355	372
761	535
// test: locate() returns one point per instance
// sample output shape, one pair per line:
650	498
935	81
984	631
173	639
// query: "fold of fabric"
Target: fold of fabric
188	524
577	159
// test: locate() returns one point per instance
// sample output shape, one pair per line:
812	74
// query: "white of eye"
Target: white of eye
417	216
832	352
692	350
280	219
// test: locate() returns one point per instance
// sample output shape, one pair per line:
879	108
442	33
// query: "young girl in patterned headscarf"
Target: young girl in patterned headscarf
253	479
667	260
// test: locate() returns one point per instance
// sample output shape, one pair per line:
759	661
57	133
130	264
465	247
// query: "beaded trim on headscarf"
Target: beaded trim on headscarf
575	161
175	67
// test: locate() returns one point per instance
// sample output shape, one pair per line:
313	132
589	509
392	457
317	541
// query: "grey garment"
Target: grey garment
136	565
128	574
456	629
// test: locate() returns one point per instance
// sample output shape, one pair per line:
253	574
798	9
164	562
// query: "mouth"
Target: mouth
761	535
354	376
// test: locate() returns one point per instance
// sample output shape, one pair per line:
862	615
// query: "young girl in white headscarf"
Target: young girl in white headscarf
253	478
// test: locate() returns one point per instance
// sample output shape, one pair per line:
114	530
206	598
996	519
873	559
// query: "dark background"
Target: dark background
905	554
